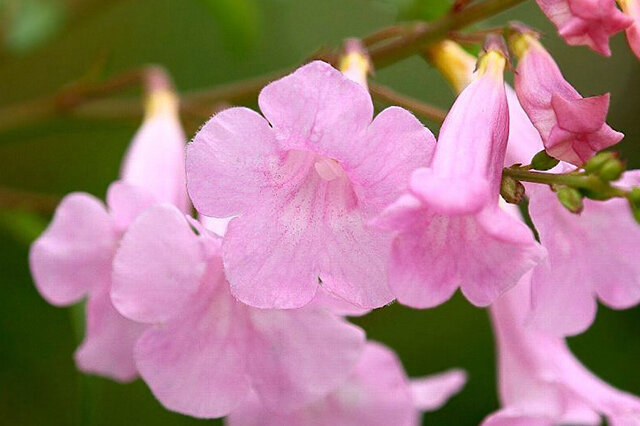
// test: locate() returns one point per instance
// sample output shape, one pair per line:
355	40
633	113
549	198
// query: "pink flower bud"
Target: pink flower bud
573	128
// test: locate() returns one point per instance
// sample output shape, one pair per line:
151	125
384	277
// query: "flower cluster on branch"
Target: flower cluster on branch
314	209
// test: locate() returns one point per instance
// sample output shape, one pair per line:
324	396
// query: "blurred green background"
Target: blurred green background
46	44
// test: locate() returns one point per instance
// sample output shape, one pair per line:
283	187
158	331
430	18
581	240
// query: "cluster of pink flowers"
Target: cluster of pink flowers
592	22
332	212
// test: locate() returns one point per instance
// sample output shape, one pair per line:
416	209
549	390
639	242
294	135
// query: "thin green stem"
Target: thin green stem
586	182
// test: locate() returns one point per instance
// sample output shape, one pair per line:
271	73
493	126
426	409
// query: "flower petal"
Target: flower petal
74	253
441	253
589	254
195	365
158	266
155	159
318	109
377	393
126	202
275	254
396	144
230	163
107	348
298	356
432	392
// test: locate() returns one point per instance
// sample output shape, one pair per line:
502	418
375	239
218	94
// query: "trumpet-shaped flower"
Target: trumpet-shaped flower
586	22
303	180
205	351
72	259
377	393
591	256
573	128
540	380
449	230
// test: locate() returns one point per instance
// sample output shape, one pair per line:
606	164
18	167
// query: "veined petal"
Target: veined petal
396	144
231	163
317	108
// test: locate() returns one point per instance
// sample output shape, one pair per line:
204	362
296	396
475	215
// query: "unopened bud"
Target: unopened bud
611	170
355	63
597	161
571	199
634	202
634	196
543	161
511	190
453	62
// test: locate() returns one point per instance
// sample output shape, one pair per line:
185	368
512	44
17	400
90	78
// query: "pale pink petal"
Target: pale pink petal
231	162
195	365
74	253
126	202
376	394
403	214
326	300
158	266
590	254
541	380
155	159
510	417
432	392
396	144
270	264
317	108
108	345
275	254
467	165
216	225
298	356
442	253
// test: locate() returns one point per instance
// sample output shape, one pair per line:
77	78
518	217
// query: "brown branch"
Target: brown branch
389	96
13	199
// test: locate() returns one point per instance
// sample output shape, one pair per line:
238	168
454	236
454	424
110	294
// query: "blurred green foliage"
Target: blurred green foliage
204	43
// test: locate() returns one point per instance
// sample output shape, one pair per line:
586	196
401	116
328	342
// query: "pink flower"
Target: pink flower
304	181
632	9
377	392
449	230
573	128
206	351
591	255
541	382
586	22
71	260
